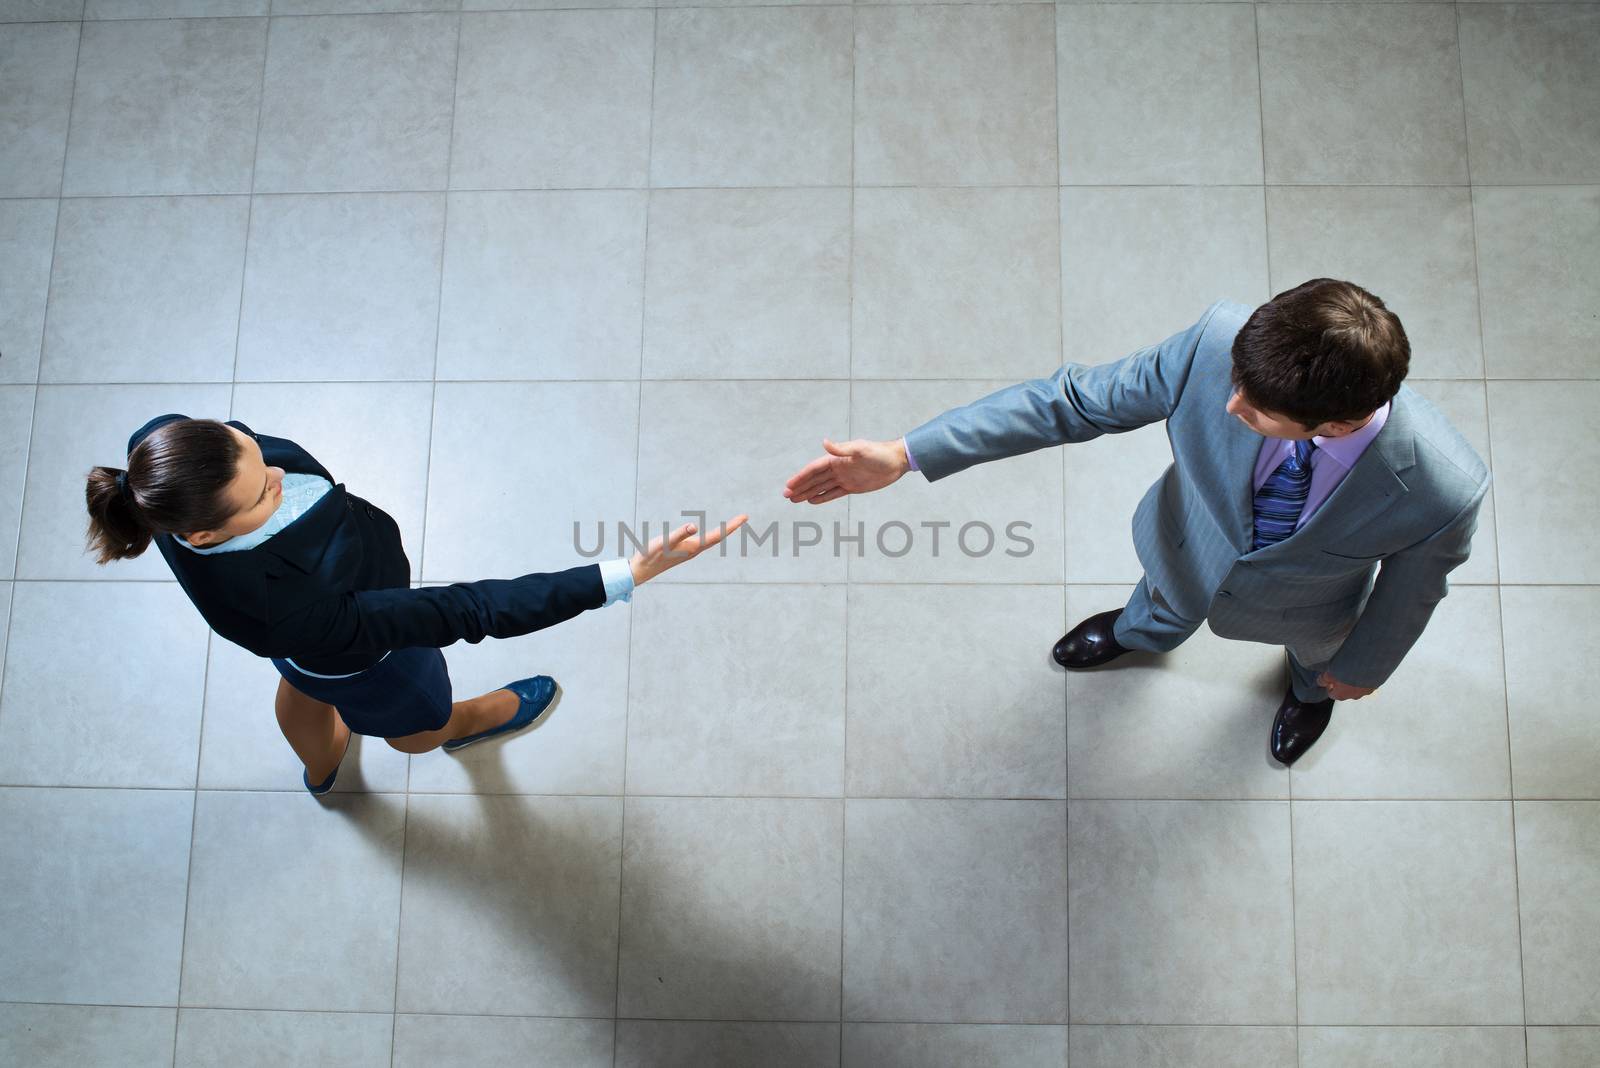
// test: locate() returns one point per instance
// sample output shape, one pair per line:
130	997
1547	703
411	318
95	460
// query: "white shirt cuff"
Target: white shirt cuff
618	578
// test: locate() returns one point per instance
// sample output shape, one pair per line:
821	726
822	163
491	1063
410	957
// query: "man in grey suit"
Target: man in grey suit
1313	502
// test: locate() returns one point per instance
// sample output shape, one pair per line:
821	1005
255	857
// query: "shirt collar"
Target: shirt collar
1347	450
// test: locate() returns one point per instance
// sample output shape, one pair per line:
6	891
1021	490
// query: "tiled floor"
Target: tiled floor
504	270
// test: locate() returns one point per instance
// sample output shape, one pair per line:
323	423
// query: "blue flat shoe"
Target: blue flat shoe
327	784
536	696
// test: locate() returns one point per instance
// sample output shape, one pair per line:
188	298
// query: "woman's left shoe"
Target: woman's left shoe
327	784
535	697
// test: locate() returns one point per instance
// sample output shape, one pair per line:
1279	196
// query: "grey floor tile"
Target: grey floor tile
95	914
135	723
746	438
1563	1047
1181	912
85	1036
955	95
1384	934
553	99
1105	480
1411	1047
341	7
371	436
1555	750
731	908
1123	289
5	622
174	9
956	910
578	748
257	937
955	283
145	289
41	10
510	905
531	458
1413	248
998	522
1465	405
1182	1047
76	427
357	103
940	708
542	285
1533	105
1451	685
1539	322
737	690
499	1042
1159	94
37	61
166	106
1361	93
241	747
247	1039
342	286
886	1045
1547	534
16	426
752	96
1558	882
27	244
748	283
693	1044
1191	724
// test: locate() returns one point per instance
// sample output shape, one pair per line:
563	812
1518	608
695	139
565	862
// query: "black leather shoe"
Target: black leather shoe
1089	644
1297	727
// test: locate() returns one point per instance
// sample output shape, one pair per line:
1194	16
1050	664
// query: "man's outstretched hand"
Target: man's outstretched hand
857	466
682	544
1342	691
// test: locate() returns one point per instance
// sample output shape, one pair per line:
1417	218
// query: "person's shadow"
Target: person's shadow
511	905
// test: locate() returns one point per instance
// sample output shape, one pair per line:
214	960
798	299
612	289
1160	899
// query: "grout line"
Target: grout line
850	416
427	482
38	371
939	379
1061	480
638	446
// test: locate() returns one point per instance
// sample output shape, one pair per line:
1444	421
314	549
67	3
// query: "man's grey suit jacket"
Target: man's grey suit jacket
1406	511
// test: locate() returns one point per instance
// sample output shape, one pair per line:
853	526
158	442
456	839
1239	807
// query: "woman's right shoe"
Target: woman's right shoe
535	697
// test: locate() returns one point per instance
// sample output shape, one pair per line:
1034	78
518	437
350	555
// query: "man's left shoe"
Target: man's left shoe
1297	727
535	697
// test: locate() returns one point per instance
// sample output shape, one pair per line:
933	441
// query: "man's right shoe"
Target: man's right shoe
1089	644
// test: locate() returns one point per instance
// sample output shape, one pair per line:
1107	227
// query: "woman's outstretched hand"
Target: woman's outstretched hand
685	543
857	466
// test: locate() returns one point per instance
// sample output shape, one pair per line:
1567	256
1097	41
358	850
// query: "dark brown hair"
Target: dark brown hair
1324	351
176	483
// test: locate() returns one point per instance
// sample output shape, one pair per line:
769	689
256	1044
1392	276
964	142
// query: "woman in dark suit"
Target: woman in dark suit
284	562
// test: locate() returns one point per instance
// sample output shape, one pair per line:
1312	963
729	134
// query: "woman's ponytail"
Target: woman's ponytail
115	529
176	483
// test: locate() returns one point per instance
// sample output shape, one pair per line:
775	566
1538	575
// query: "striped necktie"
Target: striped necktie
1282	497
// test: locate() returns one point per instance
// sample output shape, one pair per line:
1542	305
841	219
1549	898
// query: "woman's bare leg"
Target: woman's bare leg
466	717
313	729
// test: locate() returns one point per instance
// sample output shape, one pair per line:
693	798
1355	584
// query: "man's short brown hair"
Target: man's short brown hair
1324	351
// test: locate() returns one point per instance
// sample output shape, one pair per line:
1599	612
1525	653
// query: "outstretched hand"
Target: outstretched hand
665	553
857	466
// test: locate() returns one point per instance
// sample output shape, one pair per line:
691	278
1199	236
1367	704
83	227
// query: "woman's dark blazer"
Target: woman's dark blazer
332	590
